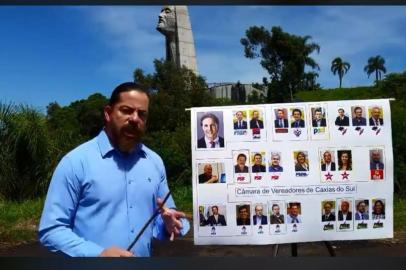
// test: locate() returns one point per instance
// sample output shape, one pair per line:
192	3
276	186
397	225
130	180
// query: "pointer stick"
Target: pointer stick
149	221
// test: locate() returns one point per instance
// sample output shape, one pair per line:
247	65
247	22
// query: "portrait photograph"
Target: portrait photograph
213	215
259	216
358	114
318	117
258	162
297	119
328	211
301	161
342	119
378	209
328	160
376	164
211	173
375	114
345	212
240	120
276	212
275	162
344	160
210	130
281	118
241	159
243	214
362	209
294	213
256	117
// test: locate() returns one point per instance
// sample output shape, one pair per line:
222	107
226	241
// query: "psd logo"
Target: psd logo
257	177
240	178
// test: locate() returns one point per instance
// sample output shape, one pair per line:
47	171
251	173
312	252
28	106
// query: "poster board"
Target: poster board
292	172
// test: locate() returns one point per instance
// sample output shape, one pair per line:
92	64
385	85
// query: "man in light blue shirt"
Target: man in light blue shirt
105	190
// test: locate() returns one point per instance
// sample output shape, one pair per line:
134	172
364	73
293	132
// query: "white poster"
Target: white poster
286	173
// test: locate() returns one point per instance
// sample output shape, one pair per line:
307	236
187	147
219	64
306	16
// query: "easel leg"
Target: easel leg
330	248
275	250
294	249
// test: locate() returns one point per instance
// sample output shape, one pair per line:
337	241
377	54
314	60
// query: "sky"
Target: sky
66	53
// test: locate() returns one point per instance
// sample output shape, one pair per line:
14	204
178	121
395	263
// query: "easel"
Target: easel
293	248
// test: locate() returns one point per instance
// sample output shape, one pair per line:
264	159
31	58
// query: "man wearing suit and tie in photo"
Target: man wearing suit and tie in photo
328	165
210	125
376	163
358	120
255	122
318	120
375	119
344	213
298	122
241	167
342	120
281	121
258	167
216	219
259	218
328	214
276	217
293	216
275	161
362	211
241	123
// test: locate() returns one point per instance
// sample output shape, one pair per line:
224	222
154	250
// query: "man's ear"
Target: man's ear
107	112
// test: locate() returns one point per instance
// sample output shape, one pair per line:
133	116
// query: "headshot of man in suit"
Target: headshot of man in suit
293	213
216	219
327	163
362	210
209	123
241	167
375	160
344	213
342	120
258	167
297	122
240	123
243	217
358	119
275	163
281	121
301	164
207	177
255	122
376	119
277	217
318	119
259	218
328	214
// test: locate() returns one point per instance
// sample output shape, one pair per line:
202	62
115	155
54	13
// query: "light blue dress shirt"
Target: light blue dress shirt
99	197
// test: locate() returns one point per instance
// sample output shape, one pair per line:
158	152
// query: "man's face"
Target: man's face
243	213
361	207
358	113
126	120
327	208
215	210
296	115
241	161
239	116
376	113
258	159
280	114
275	210
376	156
166	21
341	112
255	115
275	160
208	170
344	207
210	128
317	115
294	210
327	157
258	210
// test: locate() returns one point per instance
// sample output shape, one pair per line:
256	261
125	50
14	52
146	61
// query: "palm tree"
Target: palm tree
338	66
375	64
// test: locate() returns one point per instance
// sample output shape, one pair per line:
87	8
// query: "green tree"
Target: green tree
375	65
338	66
283	55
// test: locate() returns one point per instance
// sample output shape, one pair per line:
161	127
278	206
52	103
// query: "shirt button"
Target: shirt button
131	206
132	231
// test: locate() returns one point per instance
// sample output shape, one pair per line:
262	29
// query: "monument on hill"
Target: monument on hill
174	23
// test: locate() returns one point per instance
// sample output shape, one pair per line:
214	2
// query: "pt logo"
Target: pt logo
297	132
345	175
328	176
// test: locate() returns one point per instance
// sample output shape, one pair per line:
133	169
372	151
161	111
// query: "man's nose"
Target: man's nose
134	117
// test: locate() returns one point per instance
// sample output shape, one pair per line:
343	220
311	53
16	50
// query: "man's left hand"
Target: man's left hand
171	219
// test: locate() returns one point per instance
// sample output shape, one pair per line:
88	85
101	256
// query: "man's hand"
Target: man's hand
171	219
213	179
116	252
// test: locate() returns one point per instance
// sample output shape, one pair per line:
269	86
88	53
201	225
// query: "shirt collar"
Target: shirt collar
106	147
208	141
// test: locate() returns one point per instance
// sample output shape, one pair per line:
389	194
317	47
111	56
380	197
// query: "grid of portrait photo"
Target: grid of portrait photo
294	172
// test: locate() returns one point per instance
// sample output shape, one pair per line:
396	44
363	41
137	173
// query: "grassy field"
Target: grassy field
19	221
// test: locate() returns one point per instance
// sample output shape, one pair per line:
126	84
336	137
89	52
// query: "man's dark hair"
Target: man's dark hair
243	207
214	206
357	108
297	110
126	87
242	155
257	154
209	115
317	110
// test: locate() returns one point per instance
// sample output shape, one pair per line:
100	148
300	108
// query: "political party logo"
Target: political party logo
328	176
256	133
377	130
345	175
240	132
297	132
319	130
360	130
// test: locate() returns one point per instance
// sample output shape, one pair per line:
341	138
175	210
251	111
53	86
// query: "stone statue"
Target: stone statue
175	25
